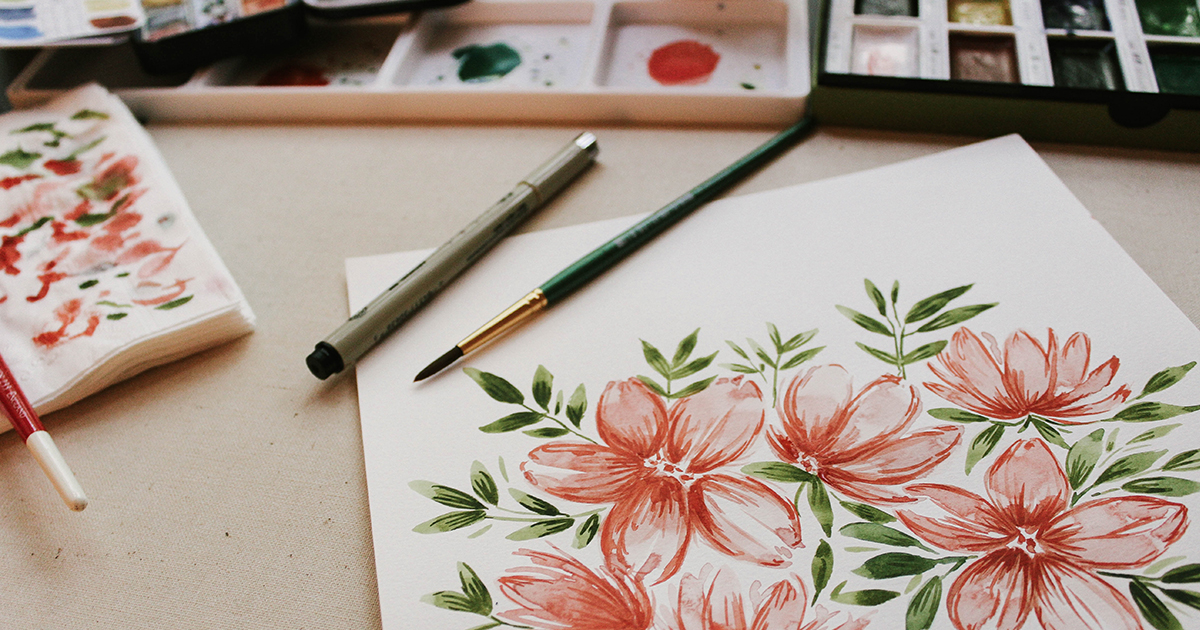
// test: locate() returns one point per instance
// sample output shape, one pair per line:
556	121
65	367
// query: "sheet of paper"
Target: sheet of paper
1037	473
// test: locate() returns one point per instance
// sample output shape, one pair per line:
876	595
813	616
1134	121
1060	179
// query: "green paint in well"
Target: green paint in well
1177	69
886	7
1170	17
1087	64
479	64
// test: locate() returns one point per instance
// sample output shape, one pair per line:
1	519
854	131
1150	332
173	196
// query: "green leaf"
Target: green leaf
577	405
543	387
864	321
547	432
950	414
882	534
115	316
1153	434
867	513
1129	465
1152	607
870	597
496	387
983	444
694	388
1151	411
739	351
89	283
655	359
1186	574
818	502
587	531
652	384
475	590
685	347
35	225
88	220
446	495
449	600
541	529
175	303
450	521
895	291
778	471
923	607
894	564
799	340
954	316
1162	486
512	422
1049	433
46	126
876	296
17	158
924	352
85	114
886	357
693	367
534	504
1187	460
558	403
822	568
801	358
1165	379
932	304
761	353
1188	598
483	484
1082	457
739	368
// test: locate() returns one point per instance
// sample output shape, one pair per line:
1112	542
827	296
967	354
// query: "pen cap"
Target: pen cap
550	177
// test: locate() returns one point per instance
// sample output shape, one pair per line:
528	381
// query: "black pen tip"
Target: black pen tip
453	355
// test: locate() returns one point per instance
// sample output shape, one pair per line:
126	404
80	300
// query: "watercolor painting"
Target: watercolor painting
1075	528
880	412
535	56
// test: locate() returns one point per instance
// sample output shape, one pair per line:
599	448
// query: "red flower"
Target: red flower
660	470
1039	554
560	593
721	606
857	444
1025	378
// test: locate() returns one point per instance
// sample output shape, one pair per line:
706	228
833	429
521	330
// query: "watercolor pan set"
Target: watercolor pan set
1116	68
686	61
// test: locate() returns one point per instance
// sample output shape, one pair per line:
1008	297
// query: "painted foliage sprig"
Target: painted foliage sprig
679	367
542	389
896	327
473	598
761	360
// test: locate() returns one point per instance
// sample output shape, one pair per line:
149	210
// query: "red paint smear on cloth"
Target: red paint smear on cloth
66	315
684	62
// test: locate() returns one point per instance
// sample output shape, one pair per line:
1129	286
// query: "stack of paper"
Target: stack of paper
732	429
104	271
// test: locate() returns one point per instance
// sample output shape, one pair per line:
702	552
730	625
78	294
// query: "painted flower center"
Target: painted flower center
667	468
808	463
1027	541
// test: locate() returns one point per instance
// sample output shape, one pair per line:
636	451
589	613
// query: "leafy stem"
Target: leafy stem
679	367
775	363
543	391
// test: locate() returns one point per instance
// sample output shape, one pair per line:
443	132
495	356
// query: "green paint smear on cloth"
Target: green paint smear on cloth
477	64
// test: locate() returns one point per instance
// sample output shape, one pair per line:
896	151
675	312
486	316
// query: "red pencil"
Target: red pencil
25	420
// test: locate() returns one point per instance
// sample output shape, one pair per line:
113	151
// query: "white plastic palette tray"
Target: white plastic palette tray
681	61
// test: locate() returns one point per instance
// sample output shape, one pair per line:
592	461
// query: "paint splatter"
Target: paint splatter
478	64
295	74
684	62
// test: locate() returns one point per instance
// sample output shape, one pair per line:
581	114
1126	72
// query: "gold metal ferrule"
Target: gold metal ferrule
526	307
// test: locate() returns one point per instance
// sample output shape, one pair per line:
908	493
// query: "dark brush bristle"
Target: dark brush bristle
453	355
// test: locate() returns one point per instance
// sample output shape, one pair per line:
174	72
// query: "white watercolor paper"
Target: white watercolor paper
848	502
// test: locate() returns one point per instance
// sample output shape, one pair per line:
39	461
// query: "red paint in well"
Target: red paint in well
684	62
294	74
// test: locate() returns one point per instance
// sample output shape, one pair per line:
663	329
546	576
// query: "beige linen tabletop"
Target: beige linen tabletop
227	489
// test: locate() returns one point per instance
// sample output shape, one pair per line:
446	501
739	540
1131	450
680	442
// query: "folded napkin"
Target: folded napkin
104	271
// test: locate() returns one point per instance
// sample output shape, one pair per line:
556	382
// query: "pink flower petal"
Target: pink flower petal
584	473
783	606
993	593
647	531
1073	599
972	373
724	608
560	592
631	418
1090	409
1073	361
689	614
1117	533
1027	484
1029	375
883	408
714	427
972	524
900	460
813	408
744	518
